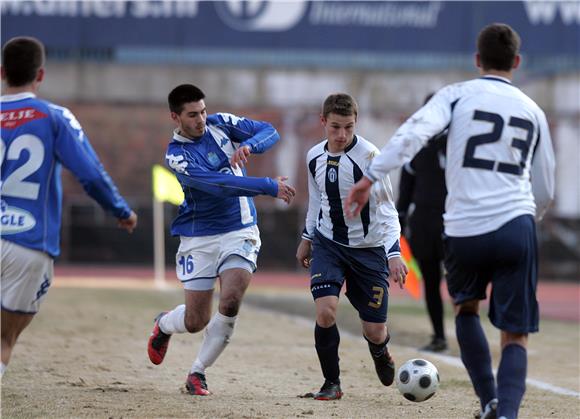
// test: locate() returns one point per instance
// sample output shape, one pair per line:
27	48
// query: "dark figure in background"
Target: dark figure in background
423	184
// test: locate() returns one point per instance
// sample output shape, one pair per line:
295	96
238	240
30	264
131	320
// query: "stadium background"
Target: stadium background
113	63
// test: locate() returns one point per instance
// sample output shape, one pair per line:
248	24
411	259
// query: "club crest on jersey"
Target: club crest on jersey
332	175
213	158
15	220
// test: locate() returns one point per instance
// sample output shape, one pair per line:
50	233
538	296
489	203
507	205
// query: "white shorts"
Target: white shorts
26	277
199	260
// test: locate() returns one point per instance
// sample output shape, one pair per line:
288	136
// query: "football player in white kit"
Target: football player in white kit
499	174
361	252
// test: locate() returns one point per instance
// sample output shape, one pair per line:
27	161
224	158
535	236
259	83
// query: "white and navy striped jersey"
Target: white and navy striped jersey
330	177
499	153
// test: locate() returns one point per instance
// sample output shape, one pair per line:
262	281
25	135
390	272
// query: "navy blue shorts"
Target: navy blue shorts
508	259
365	271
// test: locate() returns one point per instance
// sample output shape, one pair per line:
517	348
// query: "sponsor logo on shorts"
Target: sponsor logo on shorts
15	220
43	288
320	287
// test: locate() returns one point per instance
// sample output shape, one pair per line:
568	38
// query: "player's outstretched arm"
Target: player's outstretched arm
285	192
129	223
357	197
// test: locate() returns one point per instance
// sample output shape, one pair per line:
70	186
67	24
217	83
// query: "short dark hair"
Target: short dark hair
498	45
340	104
22	57
182	94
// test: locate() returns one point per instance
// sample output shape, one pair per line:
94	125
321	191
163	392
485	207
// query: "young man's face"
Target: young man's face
191	120
339	130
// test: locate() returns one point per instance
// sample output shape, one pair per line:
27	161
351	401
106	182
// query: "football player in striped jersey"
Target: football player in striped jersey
499	175
361	252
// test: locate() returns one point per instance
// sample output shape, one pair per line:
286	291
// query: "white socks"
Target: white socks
174	321
216	337
2	369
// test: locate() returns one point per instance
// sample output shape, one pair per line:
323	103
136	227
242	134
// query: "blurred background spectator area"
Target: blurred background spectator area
113	64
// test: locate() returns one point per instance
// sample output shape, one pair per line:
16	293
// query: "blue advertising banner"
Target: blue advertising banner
354	31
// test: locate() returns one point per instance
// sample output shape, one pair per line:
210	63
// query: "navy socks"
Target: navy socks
326	341
476	356
511	380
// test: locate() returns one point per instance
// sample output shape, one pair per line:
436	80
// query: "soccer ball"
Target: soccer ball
417	380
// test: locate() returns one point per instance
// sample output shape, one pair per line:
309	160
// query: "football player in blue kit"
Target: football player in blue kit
216	223
499	175
38	138
362	252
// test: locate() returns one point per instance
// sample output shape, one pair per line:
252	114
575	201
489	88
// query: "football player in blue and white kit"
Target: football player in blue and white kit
362	252
499	174
38	138
216	223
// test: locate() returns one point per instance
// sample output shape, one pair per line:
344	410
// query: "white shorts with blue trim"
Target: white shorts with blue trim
26	277
199	260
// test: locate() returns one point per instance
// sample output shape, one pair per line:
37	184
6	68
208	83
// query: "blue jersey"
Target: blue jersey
38	137
218	196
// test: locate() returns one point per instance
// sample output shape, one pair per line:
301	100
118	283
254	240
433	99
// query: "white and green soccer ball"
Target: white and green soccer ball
417	380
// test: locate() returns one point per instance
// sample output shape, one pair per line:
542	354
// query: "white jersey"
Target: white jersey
499	153
330	177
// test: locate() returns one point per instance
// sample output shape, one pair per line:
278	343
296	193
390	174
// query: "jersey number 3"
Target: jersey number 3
469	159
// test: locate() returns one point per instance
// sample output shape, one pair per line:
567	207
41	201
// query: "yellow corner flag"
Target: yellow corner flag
165	186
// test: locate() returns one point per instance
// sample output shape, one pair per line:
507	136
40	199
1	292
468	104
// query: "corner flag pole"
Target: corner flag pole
166	188
158	243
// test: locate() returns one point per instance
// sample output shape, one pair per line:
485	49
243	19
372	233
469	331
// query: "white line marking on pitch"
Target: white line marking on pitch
455	361
447	359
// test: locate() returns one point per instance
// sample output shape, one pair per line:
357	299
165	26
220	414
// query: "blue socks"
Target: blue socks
511	380
326	341
476	356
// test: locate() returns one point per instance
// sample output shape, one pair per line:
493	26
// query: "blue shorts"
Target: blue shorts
508	259
365	271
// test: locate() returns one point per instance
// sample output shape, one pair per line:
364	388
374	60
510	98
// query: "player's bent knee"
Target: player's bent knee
195	325
230	307
467	307
326	318
509	338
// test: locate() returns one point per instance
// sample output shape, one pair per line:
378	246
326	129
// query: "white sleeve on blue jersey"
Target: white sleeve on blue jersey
74	151
258	135
543	169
